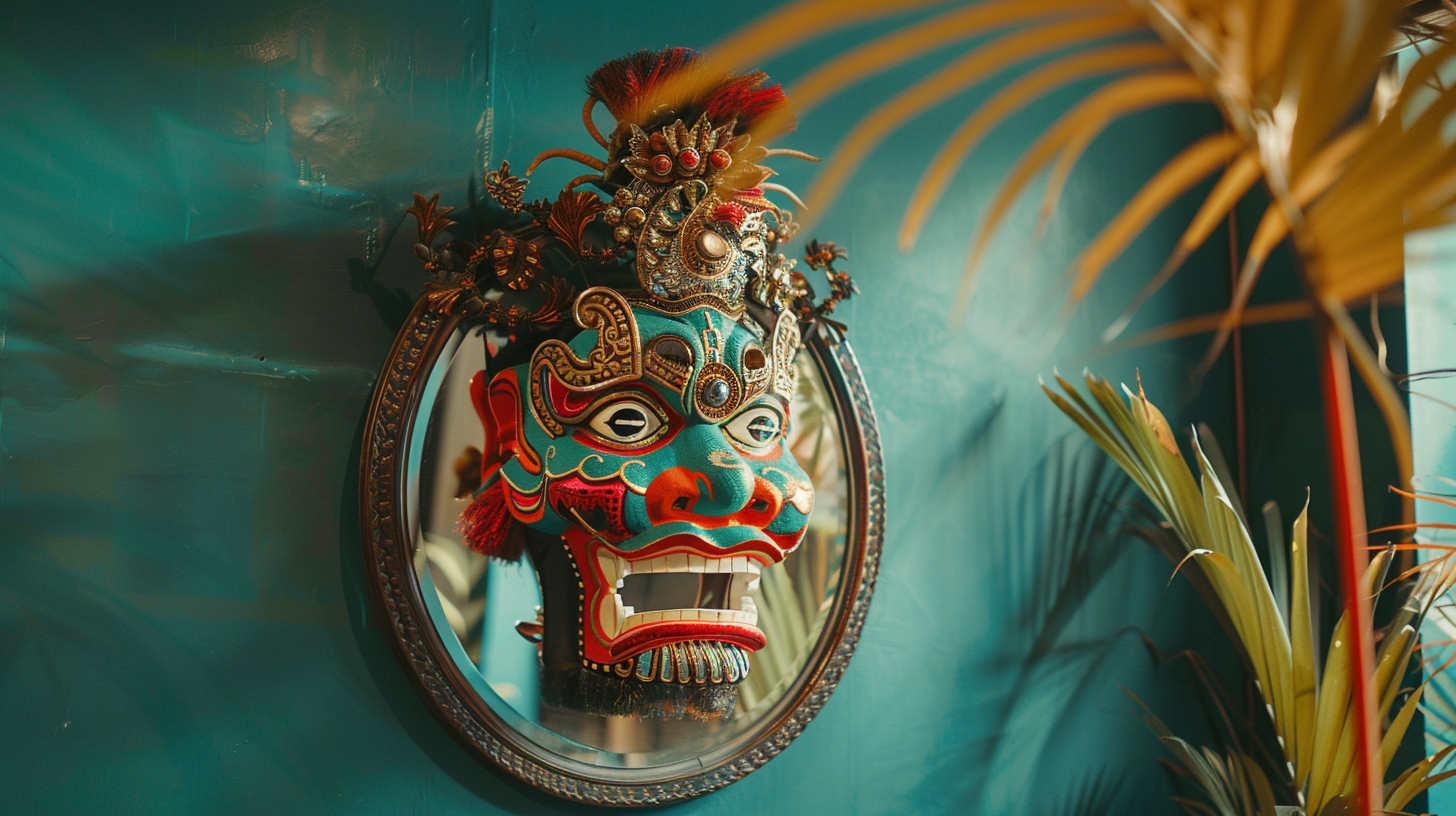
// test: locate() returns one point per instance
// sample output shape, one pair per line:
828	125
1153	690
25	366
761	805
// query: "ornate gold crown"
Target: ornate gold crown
688	212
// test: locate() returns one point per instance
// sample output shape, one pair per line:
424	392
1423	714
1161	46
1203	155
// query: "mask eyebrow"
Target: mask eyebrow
772	401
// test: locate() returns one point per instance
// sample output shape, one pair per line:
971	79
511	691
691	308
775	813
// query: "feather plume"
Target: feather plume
743	98
622	83
626	87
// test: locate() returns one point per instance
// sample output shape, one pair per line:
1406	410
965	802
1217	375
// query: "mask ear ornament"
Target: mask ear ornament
589	522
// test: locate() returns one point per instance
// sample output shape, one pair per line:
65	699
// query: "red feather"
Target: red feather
744	98
621	83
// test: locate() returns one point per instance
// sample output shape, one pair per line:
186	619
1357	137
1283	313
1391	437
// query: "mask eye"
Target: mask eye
756	428
626	422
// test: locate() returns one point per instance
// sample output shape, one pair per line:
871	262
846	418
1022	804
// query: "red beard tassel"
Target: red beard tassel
489	528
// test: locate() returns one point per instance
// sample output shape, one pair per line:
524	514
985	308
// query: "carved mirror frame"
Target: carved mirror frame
389	550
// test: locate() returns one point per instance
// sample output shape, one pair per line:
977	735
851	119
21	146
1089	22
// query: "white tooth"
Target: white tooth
736	587
607	615
676	563
753	585
625	565
658	564
672	614
749	618
707	614
608	564
651	617
697	563
631	620
753	567
750	607
740	564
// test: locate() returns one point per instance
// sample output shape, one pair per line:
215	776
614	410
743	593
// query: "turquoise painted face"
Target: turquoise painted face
653	445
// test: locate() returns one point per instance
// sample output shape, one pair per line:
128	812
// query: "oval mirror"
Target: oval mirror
623	531
462	622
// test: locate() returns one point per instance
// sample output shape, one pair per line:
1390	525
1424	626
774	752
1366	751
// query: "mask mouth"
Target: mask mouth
683	588
673	584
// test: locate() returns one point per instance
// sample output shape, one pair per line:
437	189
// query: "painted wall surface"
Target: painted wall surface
203	268
1432	301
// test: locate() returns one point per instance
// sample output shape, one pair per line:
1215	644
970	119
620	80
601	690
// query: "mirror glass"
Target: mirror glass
486	610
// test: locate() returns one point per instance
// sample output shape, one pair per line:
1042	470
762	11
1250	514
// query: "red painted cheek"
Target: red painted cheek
676	493
788	541
597	505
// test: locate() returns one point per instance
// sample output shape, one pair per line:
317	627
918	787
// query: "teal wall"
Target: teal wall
189	334
1432	301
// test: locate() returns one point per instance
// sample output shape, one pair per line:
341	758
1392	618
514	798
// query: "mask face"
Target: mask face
652	447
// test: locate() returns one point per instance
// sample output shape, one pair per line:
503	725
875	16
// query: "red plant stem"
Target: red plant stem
1241	435
1350	539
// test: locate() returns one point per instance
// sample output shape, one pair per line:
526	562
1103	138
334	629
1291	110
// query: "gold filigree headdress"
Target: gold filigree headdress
688	214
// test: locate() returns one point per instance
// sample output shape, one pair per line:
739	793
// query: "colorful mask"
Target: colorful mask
641	462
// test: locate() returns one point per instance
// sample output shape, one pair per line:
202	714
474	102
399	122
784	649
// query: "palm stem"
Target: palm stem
1349	500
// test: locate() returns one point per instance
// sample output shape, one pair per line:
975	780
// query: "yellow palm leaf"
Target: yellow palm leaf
1236	181
950	80
1122	96
900	46
1194	164
953	152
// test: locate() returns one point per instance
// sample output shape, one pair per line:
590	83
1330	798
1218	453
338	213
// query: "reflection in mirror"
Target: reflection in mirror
488	610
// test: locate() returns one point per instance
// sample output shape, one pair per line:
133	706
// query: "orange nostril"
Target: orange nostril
680	494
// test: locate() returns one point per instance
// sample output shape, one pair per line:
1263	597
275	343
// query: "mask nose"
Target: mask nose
714	487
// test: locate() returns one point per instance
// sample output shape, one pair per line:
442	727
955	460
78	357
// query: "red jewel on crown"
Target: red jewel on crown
731	212
661	164
720	159
689	159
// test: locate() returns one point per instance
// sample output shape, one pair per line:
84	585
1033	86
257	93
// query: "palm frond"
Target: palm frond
1288	75
1313	712
1025	90
954	78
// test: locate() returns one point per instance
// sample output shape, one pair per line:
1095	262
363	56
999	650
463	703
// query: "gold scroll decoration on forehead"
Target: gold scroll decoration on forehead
617	356
670	362
784	346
